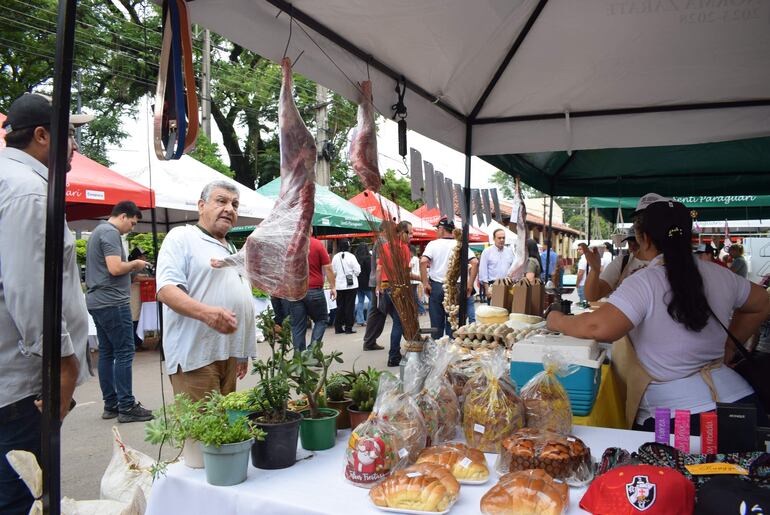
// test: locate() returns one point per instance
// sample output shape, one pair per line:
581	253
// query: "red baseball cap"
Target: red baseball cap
635	489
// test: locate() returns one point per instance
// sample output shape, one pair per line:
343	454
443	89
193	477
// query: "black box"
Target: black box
763	439
737	427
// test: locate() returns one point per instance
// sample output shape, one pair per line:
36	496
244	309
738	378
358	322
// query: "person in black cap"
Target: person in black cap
672	311
23	191
436	257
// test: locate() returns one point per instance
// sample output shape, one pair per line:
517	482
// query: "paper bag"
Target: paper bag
501	295
537	294
521	297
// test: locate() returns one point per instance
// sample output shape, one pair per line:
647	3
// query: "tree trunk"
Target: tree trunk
239	162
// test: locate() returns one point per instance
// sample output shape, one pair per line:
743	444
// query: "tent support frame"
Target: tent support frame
463	297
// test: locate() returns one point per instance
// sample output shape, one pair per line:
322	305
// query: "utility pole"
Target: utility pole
323	167
206	85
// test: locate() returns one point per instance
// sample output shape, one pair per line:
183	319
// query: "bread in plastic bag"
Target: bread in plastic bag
491	411
400	409
465	464
440	389
529	491
375	448
423	487
546	400
563	457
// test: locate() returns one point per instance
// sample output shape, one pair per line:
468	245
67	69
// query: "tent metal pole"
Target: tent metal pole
158	306
463	297
549	242
54	251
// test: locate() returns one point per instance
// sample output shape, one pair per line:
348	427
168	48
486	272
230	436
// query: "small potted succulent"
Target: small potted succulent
337	397
174	424
226	446
363	393
279	448
242	404
308	372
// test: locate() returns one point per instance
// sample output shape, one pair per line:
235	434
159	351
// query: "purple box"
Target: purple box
663	426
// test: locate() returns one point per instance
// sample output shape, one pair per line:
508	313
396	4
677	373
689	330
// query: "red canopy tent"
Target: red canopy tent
432	216
93	189
376	205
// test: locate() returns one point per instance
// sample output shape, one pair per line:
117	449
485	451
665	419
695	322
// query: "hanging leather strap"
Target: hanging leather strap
189	77
160	92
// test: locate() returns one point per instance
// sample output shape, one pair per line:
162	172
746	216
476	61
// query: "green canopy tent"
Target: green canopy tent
728	168
707	208
333	214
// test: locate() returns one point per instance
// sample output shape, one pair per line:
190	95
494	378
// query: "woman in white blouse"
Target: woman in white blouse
346	271
666	310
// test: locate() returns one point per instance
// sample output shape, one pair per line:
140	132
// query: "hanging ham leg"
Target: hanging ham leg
519	265
363	147
275	256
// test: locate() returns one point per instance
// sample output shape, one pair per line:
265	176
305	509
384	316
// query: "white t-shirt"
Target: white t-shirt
606	259
670	352
345	263
439	251
185	260
611	274
414	268
582	265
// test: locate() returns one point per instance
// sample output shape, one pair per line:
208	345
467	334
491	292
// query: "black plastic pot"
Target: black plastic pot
279	448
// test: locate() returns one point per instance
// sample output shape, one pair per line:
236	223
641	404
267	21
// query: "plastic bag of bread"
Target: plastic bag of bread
563	457
401	410
491	411
546	400
440	389
467	465
375	448
529	492
423	487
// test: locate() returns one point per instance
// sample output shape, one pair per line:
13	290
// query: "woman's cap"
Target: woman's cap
649	199
668	220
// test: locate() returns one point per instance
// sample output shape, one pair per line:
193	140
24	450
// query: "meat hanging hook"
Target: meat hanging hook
399	110
291	22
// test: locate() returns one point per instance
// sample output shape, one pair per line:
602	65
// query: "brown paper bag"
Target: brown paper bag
537	298
501	295
521	297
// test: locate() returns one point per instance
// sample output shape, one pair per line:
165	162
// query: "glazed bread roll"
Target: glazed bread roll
439	472
530	492
423	493
463	464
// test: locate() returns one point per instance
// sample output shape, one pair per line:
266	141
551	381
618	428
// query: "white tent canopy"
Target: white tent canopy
510	236
530	75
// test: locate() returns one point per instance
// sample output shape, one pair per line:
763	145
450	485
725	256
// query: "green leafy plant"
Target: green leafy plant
175	424
308	372
273	389
245	400
363	393
337	386
260	294
213	428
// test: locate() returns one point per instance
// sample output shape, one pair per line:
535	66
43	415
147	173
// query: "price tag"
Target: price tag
705	469
403	453
413	474
478	428
465	463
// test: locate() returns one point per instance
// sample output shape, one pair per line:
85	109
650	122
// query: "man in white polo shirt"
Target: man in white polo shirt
208	315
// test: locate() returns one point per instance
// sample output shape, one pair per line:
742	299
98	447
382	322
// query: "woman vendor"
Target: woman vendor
666	310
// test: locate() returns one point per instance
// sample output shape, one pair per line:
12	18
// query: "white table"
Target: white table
316	485
148	319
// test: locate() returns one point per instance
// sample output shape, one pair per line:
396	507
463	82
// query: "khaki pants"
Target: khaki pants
218	376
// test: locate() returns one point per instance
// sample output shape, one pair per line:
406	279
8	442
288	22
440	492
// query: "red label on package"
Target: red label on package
708	432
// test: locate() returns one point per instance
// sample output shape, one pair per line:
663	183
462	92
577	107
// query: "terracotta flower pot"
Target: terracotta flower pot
343	419
357	417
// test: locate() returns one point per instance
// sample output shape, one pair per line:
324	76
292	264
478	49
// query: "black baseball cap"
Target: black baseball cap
446	223
36	110
668	220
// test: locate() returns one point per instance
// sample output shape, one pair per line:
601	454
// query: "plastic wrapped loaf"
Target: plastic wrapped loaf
401	410
465	464
564	457
415	373
546	400
424	487
491	411
529	491
440	389
376	447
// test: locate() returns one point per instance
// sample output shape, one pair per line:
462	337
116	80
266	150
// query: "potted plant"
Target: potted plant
337	397
308	372
279	448
363	393
173	424
226	446
242	404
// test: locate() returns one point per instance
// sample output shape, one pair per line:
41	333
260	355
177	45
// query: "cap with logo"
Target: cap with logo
634	489
36	110
446	223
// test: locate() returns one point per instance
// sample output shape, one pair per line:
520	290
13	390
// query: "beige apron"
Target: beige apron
633	378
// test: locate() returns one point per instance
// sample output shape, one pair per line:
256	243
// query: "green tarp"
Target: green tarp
726	168
707	207
333	214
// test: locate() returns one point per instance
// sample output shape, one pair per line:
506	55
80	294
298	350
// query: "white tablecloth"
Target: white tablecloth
316	485
148	319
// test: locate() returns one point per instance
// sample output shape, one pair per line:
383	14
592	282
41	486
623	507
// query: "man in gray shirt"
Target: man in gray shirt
23	194
108	278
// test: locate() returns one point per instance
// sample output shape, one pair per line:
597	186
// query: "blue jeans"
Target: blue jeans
396	332
418	300
313	306
582	293
438	317
364	294
116	355
20	427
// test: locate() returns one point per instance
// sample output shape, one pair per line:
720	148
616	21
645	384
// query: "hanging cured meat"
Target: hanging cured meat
363	147
275	256
519	265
